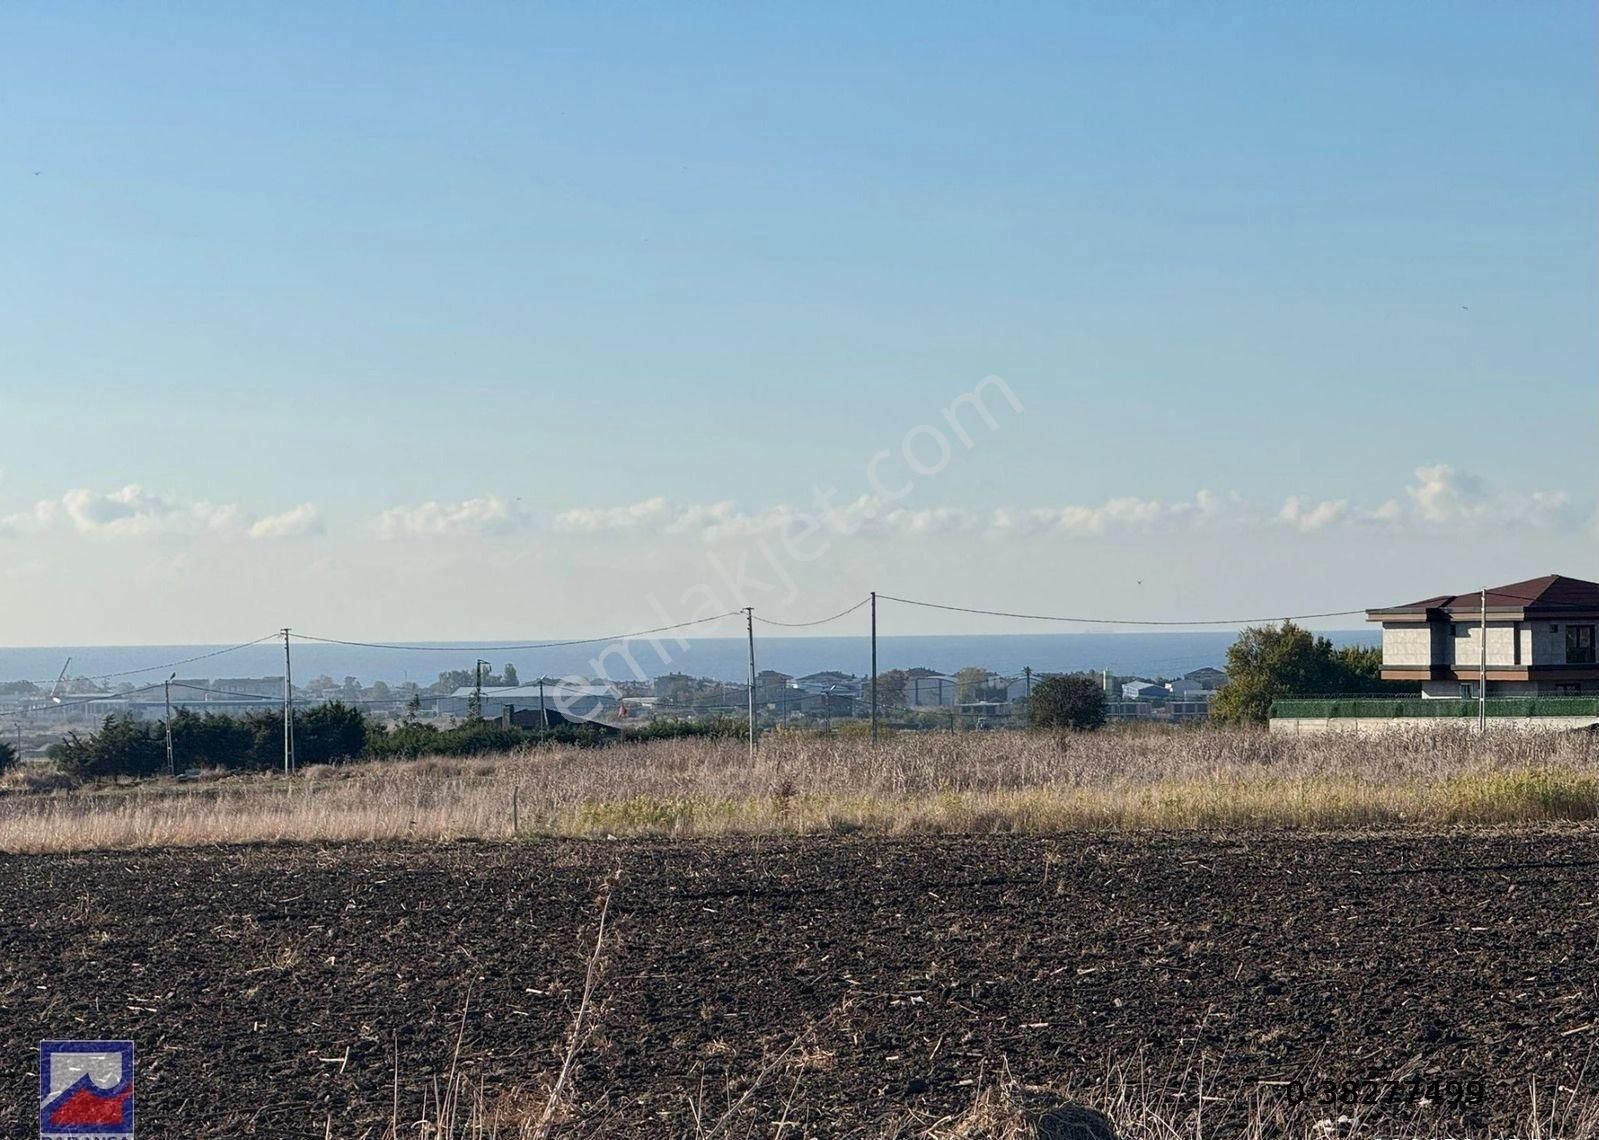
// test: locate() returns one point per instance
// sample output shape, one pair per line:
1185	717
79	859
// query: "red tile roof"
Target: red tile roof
1551	594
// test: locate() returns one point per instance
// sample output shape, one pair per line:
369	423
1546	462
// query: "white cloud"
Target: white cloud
869	517
1440	497
596	520
1307	517
296	521
487	515
133	512
1114	515
1445	497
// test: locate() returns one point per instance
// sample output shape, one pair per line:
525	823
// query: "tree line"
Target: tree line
323	734
1266	663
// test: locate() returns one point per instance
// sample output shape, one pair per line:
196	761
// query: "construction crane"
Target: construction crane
55	690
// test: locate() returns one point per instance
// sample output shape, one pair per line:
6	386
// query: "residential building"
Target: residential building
1129	710
1539	640
1198	684
1207	678
1143	691
250	686
580	701
1187	710
829	681
930	692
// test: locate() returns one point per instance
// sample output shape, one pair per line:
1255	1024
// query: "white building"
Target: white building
579	700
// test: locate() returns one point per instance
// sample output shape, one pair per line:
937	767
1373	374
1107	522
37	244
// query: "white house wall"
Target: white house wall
1467	644
1407	646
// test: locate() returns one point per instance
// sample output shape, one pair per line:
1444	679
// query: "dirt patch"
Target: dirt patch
839	984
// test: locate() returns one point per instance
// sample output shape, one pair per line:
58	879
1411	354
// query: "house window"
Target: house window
1466	693
1579	645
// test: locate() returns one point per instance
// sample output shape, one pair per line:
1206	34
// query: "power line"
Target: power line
1114	621
807	624
96	699
175	664
515	648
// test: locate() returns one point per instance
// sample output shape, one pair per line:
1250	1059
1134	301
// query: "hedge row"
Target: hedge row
323	734
1313	708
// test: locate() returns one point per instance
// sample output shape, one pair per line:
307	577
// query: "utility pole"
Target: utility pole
544	711
874	666
477	691
288	707
1482	670
749	625
172	767
1027	672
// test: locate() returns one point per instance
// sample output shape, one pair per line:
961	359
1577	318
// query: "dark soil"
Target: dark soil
846	982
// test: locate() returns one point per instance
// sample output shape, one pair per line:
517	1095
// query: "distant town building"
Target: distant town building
829	681
1129	710
934	691
1207	678
585	701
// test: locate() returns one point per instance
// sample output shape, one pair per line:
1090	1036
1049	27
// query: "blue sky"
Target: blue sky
309	264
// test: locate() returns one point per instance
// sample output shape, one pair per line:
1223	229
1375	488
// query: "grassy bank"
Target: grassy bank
975	782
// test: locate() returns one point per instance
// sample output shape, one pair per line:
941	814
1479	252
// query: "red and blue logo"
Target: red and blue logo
85	1089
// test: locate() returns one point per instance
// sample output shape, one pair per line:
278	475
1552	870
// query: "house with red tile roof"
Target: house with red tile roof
1531	639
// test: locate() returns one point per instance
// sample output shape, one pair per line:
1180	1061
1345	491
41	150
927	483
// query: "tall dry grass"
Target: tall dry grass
802	784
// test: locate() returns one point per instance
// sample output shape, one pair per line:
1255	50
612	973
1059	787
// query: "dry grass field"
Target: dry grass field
931	783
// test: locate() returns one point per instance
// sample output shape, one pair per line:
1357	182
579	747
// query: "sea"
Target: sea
1167	654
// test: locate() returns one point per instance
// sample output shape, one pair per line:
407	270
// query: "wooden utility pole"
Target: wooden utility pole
1482	670
874	666
749	625
172	767
288	707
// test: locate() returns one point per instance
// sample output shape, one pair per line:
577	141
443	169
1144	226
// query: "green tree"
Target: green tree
891	689
451	680
1359	670
327	733
971	684
123	746
1268	662
508	678
1075	701
209	741
9	757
